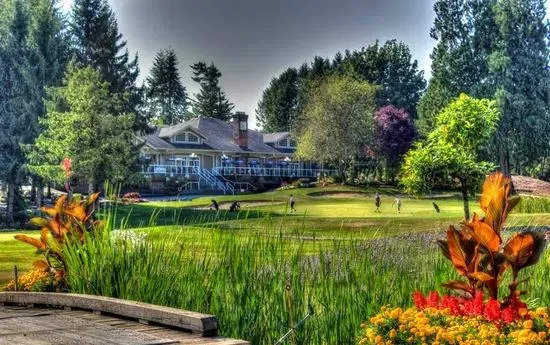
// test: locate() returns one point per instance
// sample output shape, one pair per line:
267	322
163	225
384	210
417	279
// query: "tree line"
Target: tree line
68	89
487	49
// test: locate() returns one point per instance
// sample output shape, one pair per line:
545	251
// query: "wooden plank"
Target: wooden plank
195	322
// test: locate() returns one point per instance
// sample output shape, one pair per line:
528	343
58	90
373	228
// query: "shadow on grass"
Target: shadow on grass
141	215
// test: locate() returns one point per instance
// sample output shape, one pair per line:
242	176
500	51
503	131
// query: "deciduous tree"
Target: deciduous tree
394	134
80	124
337	122
450	153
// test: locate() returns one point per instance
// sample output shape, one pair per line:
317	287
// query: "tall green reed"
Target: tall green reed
242	279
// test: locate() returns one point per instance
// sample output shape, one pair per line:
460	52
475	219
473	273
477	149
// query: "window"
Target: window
292	143
186	138
192	138
283	143
180	138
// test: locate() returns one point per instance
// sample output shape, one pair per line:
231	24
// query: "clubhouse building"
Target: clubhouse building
227	156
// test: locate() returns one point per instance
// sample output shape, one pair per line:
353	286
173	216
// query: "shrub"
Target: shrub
131	198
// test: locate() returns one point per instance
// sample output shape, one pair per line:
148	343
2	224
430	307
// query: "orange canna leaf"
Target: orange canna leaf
92	198
490	282
29	240
38	222
44	236
484	234
492	189
456	253
482	277
76	211
459	285
41	265
524	249
59	203
52	212
496	201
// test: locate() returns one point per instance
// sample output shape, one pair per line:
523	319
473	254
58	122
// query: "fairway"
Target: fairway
323	214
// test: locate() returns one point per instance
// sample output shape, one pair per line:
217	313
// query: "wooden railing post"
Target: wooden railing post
16	278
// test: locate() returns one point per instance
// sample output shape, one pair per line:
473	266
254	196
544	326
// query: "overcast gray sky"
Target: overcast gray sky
252	41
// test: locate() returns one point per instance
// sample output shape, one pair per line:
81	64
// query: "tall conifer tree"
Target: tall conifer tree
277	110
99	44
167	98
16	97
211	100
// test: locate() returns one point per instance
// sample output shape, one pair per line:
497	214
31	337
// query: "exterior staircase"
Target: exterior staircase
215	182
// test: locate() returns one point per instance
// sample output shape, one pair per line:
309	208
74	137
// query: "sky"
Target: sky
252	41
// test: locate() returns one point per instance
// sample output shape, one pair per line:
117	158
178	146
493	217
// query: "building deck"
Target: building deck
33	324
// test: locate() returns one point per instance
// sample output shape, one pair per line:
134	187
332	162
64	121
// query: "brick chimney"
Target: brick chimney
240	129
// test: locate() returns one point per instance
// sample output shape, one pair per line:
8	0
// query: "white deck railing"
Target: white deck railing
276	172
166	169
295	172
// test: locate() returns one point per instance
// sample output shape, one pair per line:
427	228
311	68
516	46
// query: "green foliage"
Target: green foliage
210	101
450	153
519	63
338	121
531	204
392	68
494	49
167	98
464	32
242	279
98	43
17	98
84	122
277	110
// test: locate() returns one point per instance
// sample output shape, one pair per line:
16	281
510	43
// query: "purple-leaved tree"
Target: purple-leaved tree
394	134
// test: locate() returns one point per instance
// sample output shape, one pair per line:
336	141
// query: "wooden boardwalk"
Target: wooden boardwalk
52	323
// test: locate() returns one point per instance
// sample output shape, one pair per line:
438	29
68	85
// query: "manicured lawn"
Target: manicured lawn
13	252
324	214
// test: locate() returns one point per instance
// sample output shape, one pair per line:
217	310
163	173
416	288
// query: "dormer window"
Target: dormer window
283	143
192	138
180	138
187	138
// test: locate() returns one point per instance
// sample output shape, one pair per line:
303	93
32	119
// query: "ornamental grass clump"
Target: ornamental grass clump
481	257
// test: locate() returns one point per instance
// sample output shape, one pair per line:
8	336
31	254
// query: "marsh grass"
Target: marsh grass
533	204
243	280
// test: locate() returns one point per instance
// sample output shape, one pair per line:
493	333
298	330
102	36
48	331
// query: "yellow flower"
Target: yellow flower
528	324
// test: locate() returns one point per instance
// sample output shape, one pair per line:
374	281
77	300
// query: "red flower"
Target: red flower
419	300
492	310
67	165
433	299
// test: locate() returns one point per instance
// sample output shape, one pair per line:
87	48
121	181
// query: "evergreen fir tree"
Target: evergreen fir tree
210	101
166	95
464	30
520	67
99	44
277	110
16	96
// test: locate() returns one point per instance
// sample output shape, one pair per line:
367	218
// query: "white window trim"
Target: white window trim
186	135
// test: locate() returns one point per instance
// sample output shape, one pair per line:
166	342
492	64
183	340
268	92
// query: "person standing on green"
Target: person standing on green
377	202
398	204
292	204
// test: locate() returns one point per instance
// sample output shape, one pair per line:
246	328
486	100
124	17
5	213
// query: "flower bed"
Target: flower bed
479	254
441	326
